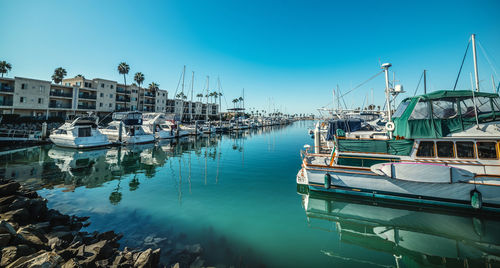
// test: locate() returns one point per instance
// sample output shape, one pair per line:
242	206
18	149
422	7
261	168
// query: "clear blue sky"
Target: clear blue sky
292	52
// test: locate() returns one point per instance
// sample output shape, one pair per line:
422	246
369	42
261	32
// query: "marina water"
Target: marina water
235	195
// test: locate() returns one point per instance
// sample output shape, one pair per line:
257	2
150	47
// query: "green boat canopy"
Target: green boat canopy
440	113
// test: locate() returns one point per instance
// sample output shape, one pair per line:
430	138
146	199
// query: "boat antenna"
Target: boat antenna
475	60
461	65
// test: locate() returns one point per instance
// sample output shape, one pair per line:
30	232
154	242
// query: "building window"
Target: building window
110	105
78	83
100	104
22	99
40	100
42	88
111	95
111	86
486	150
426	149
102	85
102	95
67	84
23	86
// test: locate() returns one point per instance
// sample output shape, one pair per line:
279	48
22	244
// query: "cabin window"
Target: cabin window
401	109
467	108
483	105
444	109
465	149
486	150
84	132
445	149
426	149
421	111
496	104
111	127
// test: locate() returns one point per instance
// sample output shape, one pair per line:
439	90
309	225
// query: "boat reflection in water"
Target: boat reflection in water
51	166
415	237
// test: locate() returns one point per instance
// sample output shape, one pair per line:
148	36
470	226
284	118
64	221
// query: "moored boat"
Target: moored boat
81	132
127	128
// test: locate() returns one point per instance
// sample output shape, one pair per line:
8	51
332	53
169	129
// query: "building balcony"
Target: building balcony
61	94
122	109
86	106
122	90
122	99
149	95
87	96
6	102
60	105
6	88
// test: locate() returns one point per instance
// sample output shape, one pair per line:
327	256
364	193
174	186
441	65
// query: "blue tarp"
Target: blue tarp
347	125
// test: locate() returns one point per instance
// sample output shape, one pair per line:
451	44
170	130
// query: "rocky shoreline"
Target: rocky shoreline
31	235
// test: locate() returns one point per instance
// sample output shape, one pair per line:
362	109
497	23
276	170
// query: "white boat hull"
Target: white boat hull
81	142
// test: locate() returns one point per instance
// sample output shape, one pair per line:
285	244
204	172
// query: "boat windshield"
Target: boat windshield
401	109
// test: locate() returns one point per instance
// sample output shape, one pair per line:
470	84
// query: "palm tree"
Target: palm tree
80	76
139	78
199	96
5	67
59	74
123	68
234	103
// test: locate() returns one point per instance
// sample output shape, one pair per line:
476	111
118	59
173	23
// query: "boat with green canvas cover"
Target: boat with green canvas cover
440	148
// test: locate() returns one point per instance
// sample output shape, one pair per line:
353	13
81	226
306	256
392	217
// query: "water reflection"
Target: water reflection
52	166
415	237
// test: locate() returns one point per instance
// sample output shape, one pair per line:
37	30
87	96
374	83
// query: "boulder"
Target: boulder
5	239
7	200
20	216
32	235
40	259
144	260
101	250
6	227
10	254
72	263
9	188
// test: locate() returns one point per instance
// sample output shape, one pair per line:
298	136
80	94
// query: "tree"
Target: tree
80	76
139	78
123	68
5	67
234	103
199	96
59	74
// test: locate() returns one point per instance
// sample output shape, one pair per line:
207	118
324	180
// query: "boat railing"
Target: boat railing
19	134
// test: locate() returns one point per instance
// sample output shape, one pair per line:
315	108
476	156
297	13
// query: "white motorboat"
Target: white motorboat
127	128
156	124
79	133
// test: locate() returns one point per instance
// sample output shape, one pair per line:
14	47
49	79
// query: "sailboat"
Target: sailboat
441	148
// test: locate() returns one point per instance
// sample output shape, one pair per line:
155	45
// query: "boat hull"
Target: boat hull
368	184
80	143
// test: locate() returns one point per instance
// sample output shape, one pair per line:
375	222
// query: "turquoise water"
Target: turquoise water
236	196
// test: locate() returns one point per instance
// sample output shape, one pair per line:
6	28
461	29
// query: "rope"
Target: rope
420	80
462	65
488	59
358	86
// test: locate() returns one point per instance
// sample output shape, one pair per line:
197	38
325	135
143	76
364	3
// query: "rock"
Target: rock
101	250
72	263
32	235
38	208
144	259
177	265
4	239
7	200
19	202
57	243
43	226
6	227
56	218
109	235
40	259
9	188
20	216
9	254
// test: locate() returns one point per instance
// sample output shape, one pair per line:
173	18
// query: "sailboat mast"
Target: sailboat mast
208	86
386	67
220	107
475	60
182	95
191	104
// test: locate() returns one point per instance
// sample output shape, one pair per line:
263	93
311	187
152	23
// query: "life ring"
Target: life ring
390	126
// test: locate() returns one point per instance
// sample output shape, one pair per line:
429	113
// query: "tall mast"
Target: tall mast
191	104
425	81
386	67
475	60
182	95
208	86
220	108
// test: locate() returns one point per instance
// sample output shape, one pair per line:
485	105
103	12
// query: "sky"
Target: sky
286	55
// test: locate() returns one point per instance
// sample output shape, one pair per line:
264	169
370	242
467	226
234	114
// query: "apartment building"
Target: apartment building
78	96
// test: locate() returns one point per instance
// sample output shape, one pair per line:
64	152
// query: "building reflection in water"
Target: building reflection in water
415	236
